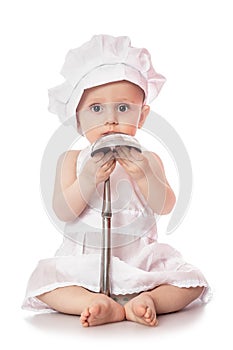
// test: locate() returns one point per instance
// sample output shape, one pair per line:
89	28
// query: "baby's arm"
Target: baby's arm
72	193
147	170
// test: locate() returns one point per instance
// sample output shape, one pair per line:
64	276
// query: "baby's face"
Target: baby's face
111	108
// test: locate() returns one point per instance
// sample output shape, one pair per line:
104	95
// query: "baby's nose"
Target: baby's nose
112	117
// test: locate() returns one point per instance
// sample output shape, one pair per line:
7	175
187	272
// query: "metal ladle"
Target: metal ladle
106	144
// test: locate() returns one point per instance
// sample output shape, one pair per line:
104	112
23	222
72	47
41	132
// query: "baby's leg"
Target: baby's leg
161	300
94	308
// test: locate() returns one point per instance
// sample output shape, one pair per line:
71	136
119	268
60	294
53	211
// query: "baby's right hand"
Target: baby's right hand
99	167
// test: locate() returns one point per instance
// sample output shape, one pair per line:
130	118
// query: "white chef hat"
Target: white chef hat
102	60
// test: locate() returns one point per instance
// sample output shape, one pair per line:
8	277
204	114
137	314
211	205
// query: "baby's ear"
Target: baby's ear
144	113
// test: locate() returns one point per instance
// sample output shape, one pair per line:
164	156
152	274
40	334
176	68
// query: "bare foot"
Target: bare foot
141	309
102	310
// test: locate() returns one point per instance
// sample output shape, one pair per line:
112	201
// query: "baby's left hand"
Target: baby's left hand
134	162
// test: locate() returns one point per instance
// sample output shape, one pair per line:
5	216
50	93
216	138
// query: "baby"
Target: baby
108	87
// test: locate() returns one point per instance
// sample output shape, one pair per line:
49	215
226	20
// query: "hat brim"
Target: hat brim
64	99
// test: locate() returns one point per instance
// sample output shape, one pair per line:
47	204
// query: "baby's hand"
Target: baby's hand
99	167
134	162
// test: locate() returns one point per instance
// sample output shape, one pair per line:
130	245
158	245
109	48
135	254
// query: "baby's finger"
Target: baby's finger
135	154
123	152
108	168
103	158
108	164
109	157
98	156
111	166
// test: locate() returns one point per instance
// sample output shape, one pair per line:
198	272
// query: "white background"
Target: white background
191	44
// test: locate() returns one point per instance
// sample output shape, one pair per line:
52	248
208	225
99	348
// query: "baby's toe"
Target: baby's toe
84	322
85	313
149	313
154	322
150	317
84	317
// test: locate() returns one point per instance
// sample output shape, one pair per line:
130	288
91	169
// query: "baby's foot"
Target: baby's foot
102	310
141	309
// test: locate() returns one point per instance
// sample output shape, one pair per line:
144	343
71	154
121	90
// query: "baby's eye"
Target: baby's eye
123	107
96	108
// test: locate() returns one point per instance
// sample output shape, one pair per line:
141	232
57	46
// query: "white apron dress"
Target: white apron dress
138	263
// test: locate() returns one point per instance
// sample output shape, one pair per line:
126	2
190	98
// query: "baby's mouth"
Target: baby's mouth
111	132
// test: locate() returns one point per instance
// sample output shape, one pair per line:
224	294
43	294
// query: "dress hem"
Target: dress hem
32	303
